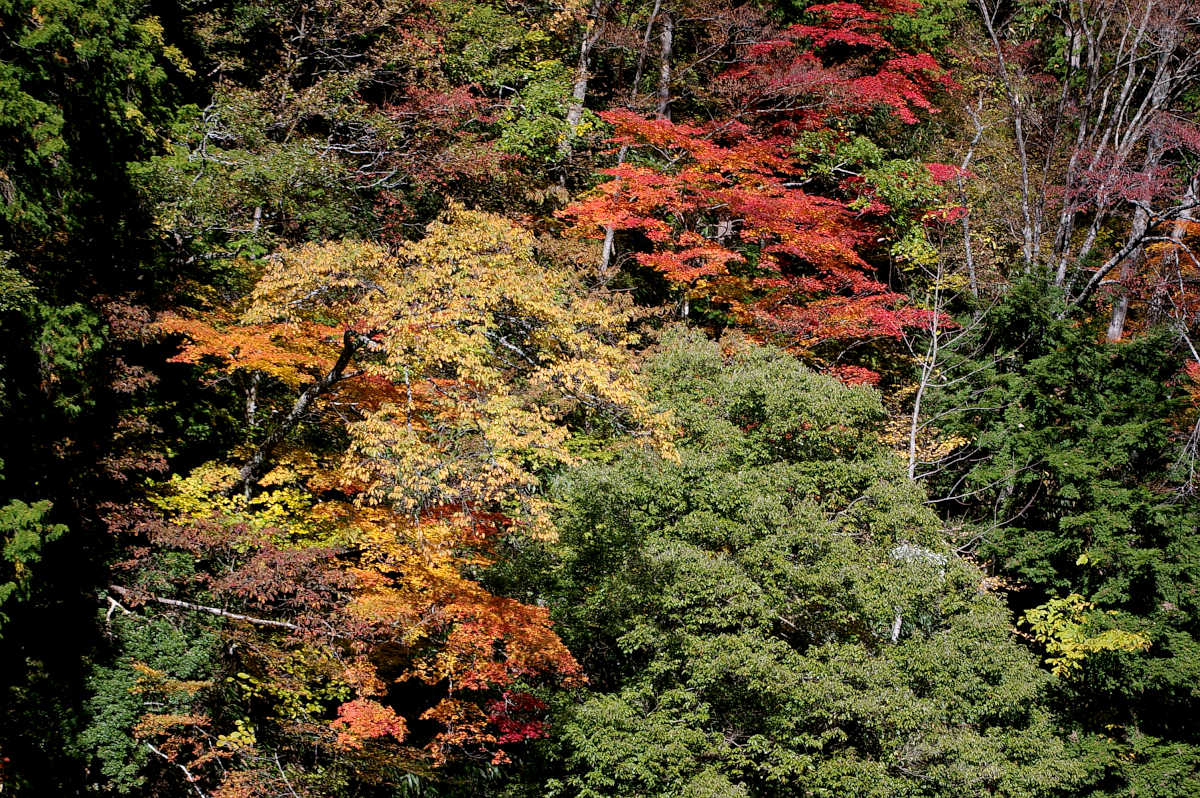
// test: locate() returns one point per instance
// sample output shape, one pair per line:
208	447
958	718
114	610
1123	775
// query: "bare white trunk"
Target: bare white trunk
1120	311
252	400
667	40
928	369
968	251
607	250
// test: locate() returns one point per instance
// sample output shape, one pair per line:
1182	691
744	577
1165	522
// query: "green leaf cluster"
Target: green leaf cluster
776	613
24	535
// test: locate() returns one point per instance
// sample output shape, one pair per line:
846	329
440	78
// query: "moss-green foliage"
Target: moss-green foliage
536	123
904	186
490	45
69	344
210	192
736	610
24	534
932	27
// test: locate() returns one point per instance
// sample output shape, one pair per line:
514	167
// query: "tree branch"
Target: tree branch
187	605
187	773
257	465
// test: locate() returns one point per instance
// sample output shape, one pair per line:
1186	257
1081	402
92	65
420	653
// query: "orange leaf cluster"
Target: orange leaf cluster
289	352
364	719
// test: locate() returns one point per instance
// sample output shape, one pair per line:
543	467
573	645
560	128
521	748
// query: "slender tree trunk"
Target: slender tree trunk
1129	268
1030	232
1171	268
608	248
928	368
187	605
1185	218
643	50
667	39
606	251
968	250
1138	229
591	35
252	400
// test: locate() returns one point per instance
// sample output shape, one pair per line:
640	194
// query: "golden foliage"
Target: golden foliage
483	363
489	352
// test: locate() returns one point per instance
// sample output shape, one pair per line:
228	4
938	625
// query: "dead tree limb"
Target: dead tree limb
124	592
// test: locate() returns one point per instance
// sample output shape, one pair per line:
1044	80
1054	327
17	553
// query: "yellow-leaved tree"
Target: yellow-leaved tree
488	353
408	404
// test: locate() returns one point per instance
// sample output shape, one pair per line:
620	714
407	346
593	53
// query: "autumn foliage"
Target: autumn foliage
582	397
730	224
837	65
475	359
728	210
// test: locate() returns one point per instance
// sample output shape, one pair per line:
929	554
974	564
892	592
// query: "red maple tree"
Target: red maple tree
728	211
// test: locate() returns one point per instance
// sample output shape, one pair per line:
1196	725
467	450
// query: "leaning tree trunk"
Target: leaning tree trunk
260	461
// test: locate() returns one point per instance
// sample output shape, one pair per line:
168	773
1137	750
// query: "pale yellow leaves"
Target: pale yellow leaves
1069	629
495	356
328	283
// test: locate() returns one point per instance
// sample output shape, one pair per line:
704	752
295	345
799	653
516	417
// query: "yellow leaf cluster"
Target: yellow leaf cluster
325	283
491	354
1065	627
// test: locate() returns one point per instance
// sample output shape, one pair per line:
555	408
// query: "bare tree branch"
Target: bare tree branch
187	605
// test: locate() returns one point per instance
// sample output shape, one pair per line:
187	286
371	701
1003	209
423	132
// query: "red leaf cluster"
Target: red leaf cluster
837	65
729	222
514	715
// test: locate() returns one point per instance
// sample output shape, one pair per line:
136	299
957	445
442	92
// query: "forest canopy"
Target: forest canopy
600	398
